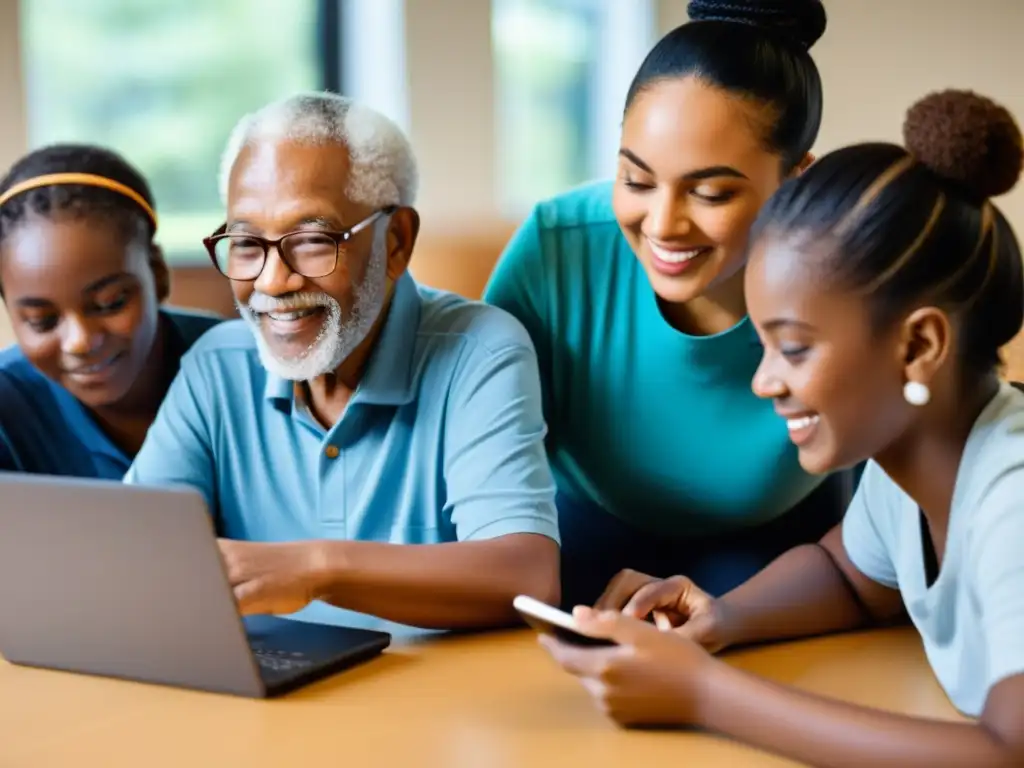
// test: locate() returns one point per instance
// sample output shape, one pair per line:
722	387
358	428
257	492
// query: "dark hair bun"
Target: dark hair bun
800	21
968	139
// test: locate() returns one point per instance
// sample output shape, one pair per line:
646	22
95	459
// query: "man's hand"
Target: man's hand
273	578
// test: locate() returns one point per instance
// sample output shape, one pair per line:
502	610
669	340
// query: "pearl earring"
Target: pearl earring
916	393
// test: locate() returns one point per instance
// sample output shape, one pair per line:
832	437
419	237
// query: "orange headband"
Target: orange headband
87	179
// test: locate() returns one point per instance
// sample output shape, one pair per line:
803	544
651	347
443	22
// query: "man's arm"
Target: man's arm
457	585
519	284
500	498
501	501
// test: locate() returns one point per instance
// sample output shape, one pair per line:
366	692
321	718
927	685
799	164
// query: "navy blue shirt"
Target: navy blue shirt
44	430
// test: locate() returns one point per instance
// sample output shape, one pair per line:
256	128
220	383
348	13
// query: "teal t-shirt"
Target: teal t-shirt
656	427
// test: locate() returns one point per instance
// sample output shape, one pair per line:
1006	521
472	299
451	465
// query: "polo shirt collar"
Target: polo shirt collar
388	379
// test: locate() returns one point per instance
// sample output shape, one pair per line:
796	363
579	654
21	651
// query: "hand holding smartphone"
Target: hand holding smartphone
557	623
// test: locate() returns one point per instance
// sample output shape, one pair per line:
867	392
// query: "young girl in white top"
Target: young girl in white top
883	282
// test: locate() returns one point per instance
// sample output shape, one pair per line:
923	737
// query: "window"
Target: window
562	69
164	82
372	57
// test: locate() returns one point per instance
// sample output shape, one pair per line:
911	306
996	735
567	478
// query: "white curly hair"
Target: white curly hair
383	167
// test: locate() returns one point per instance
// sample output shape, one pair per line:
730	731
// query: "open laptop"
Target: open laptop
124	581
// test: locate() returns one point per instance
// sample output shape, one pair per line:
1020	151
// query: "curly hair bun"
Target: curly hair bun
968	139
800	21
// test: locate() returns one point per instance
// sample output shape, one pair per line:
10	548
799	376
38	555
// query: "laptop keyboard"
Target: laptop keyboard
280	661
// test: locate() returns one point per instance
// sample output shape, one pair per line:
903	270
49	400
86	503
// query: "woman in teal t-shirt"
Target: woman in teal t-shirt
884	282
633	294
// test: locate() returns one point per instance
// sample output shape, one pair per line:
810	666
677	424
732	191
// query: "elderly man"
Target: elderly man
370	449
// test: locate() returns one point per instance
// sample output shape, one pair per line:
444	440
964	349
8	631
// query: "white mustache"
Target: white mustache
260	302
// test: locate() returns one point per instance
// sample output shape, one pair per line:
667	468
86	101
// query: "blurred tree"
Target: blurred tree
544	53
163	82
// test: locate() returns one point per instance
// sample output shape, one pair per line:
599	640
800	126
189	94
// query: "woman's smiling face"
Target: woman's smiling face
84	303
693	174
834	376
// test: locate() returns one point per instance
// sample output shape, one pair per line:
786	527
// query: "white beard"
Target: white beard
338	337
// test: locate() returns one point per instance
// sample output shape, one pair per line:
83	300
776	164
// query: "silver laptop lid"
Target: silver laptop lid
118	580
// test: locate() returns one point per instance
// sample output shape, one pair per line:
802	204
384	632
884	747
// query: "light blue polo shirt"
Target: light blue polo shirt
443	440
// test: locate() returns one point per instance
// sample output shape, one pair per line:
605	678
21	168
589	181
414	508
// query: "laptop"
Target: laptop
123	581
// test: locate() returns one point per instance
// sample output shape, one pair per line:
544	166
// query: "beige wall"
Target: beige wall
12	111
450	119
879	56
876	58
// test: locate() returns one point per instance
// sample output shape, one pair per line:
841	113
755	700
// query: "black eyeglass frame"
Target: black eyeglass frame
338	236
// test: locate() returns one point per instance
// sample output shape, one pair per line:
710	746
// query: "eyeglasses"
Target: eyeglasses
310	253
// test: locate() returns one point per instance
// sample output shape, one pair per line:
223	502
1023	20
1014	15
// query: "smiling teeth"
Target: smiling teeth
674	257
802	423
293	315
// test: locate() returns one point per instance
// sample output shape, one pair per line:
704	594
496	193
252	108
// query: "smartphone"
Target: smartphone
552	621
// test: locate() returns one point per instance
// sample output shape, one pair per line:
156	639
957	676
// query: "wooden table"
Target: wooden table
475	702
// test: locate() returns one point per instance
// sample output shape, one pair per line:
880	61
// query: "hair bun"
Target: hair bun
968	139
801	21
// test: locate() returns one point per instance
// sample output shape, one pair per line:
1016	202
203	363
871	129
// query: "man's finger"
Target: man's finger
225	545
235	574
229	560
249	598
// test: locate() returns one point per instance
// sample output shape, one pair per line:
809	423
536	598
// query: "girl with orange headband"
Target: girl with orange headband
83	280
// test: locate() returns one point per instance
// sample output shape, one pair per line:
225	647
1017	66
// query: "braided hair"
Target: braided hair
756	49
77	200
915	223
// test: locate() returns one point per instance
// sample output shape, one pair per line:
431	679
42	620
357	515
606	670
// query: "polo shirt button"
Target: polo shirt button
331	451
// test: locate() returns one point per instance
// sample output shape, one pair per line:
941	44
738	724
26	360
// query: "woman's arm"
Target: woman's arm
832	734
656	677
651	677
810	590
